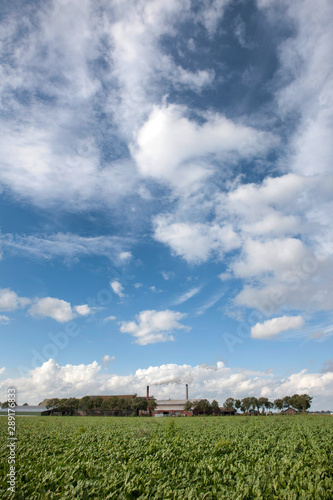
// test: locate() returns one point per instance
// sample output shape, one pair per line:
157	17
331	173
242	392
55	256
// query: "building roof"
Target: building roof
26	409
174	401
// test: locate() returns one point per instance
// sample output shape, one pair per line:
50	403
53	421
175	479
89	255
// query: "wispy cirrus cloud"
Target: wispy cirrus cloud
187	295
67	245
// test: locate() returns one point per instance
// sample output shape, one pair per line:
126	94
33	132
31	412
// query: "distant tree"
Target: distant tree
152	404
269	405
73	403
215	407
254	403
97	402
238	404
138	403
86	403
230	403
246	403
113	402
25	404
262	402
188	406
278	403
50	403
202	406
286	402
300	403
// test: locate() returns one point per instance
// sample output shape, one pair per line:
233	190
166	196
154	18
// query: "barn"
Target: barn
32	411
172	408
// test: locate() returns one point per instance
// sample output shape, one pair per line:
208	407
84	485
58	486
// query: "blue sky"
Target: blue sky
166	198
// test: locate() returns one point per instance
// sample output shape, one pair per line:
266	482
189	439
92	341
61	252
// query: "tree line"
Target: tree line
90	403
298	402
250	404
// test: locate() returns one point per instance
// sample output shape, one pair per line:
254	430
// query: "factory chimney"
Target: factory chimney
186	392
147	392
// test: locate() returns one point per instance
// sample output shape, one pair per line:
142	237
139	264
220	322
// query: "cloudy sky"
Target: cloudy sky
166	198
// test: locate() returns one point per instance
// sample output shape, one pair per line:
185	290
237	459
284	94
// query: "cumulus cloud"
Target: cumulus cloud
4	320
106	360
215	381
9	300
152	326
118	288
209	239
272	327
83	310
125	256
2	370
57	309
171	148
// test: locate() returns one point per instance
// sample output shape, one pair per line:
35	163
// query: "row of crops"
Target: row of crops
172	458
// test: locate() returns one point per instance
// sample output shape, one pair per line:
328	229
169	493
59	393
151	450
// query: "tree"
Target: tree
286	402
254	403
269	405
97	402
6	404
246	403
25	404
86	403
73	403
278	403
188	406
238	404
215	407
202	406
50	403
229	404
306	401
263	402
152	404
300	403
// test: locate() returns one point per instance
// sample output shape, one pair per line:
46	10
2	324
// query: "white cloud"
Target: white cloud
168	275
209	239
58	309
110	318
9	300
215	381
66	245
2	370
125	256
188	295
272	327
154	326
118	288
138	285
173	149
83	310
106	360
4	320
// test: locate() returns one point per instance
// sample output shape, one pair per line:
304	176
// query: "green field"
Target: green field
171	458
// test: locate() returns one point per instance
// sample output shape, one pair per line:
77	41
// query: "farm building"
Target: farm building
227	411
36	411
290	411
172	407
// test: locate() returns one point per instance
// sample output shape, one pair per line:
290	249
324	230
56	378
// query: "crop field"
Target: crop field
171	458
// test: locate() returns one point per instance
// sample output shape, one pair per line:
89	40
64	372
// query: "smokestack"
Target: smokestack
186	392
147	392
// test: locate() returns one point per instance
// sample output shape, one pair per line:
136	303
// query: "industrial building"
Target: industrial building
37	411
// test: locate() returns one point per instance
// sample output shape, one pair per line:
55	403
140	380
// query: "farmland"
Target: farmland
171	458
